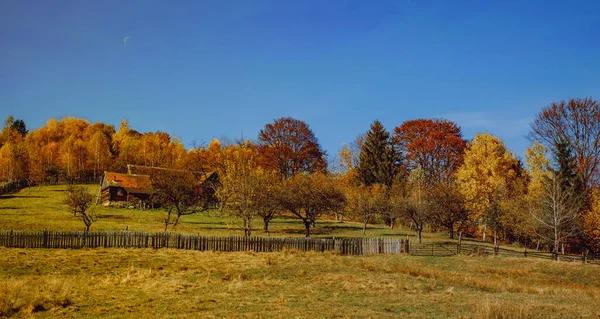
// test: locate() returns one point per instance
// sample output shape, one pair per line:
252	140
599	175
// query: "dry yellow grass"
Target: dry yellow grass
148	283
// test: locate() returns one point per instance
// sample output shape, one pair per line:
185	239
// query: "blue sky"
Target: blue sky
205	69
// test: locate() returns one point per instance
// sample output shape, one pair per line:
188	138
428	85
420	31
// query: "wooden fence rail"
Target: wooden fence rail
441	249
132	239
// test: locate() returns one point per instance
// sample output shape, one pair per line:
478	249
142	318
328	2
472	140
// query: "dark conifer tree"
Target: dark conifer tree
378	160
567	173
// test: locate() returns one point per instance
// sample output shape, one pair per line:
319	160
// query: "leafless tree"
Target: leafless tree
576	122
557	212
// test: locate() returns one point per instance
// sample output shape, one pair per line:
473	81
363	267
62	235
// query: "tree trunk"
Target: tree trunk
307	226
484	231
392	222
364	227
556	241
266	224
177	219
419	238
168	219
451	231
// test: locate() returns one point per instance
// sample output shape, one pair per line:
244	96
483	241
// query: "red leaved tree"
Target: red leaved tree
436	146
288	146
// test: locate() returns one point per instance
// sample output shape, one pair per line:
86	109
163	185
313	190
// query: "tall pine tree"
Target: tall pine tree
378	160
567	173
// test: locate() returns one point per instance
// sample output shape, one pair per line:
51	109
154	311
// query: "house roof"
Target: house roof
133	183
151	170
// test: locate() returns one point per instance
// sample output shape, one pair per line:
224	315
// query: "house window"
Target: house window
120	192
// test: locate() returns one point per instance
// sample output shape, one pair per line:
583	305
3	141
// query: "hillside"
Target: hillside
42	209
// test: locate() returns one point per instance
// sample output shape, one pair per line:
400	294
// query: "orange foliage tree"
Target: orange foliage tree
289	147
309	196
434	145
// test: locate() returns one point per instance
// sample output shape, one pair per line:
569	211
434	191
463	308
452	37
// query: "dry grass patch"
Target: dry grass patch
27	296
136	283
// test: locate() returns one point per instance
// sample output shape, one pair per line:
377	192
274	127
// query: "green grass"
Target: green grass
41	209
137	283
121	283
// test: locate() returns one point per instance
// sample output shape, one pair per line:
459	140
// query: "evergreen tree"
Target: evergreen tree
378	160
20	127
567	173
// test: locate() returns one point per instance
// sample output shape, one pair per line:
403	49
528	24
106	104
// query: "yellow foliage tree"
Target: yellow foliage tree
591	223
244	185
538	165
364	202
486	177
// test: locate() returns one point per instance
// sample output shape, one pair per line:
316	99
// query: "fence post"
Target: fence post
458	246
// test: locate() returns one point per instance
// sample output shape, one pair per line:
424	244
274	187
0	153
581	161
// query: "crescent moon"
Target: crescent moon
125	39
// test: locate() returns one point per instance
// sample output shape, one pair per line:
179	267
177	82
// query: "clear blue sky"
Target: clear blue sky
205	69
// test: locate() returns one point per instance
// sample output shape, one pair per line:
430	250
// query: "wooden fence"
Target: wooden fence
442	249
130	239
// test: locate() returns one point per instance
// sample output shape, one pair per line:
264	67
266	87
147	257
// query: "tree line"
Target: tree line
423	174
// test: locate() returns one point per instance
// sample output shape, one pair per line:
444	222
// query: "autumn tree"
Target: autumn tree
365	202
36	171
576	122
289	147
378	160
559	209
13	154
538	165
418	202
245	186
397	202
557	212
448	207
268	202
180	192
98	138
79	201
345	171
125	145
591	223
309	196
486	177
434	145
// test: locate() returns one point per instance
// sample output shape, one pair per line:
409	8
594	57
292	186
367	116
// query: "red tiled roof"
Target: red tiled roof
132	183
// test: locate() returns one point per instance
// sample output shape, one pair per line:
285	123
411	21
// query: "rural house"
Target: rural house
117	188
208	182
136	187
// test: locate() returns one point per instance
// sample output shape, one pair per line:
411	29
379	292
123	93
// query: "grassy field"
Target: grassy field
121	283
148	283
40	209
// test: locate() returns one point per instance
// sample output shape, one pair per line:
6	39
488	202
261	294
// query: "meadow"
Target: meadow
42	209
158	283
119	283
